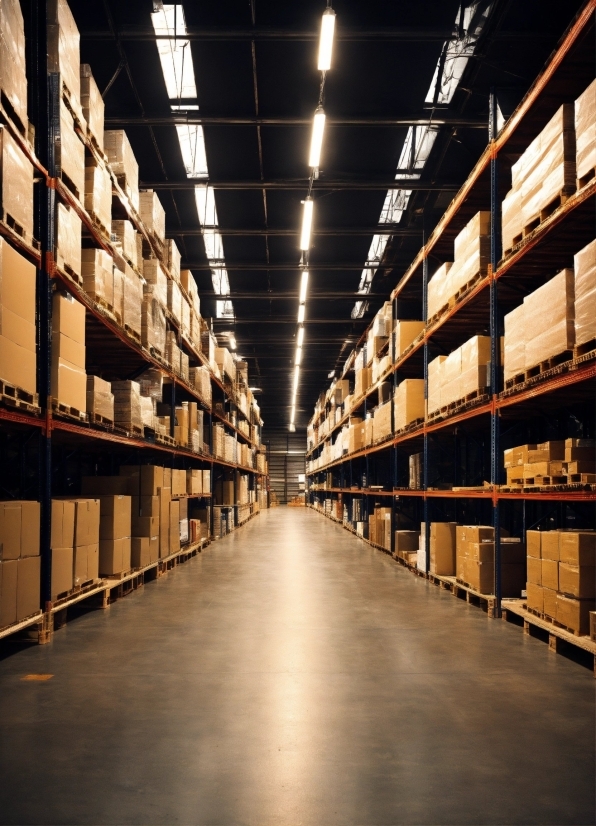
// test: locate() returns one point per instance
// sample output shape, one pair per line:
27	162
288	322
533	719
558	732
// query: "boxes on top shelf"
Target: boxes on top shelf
18	359
13	77
69	380
585	292
173	259
408	402
100	399
127	405
93	106
98	195
64	52
153	216
17	186
69	152
123	163
585	134
68	241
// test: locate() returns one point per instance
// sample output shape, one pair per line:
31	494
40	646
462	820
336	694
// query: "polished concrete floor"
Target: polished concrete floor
291	674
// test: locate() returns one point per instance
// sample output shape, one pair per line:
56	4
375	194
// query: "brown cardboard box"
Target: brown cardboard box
164	521
16	329
534	570
144	551
442	548
69	384
145	479
408	402
145	525
580	450
63	524
93	561
577	581
382	421
68	317
578	548
550	546
206	481
28	586
86	522
174	526
86	563
406	542
533	544
106	486
167	478
19	529
17	365
62	570
363	381
546	452
535	597
8	592
115	517
67	349
550	602
145	506
114	556
550	574
574	613
194	481
17	290
178	482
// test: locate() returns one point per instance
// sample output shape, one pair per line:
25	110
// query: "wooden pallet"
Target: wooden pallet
69	412
480	396
585	179
64	268
546	211
16	397
558	636
556	365
21	625
589	348
75	594
9	112
134	334
13	226
100	226
463	590
97	420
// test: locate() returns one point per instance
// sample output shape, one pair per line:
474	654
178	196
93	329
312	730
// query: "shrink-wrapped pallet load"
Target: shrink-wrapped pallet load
13	78
157	279
68	240
435	368
471	250
100	399
68	379
405	333
585	293
438	290
16	185
382	421
408	402
225	362
123	163
175	301
127	405
173	259
69	151
63	51
132	301
511	220
124	238
93	105
153	216
98	194
549	319
585	134
98	275
475	364
18	358
514	357
153	322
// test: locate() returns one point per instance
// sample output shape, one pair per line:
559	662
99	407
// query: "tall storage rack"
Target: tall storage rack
43	451
469	441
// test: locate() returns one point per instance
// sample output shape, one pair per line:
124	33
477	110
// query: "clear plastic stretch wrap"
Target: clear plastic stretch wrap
408	402
153	321
68	238
153	214
174	300
511	218
151	383
514	360
189	284
98	195
585	294
132	300
123	163
147	412
17	183
438	289
435	370
125	239
70	153
100	399
405	333
63	49
157	279
118	291
93	105
200	380
471	253
173	255
184	366
98	275
127	404
585	131
172	354
549	319
185	317
13	75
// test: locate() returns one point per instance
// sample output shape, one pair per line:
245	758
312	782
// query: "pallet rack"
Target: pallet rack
43	447
468	440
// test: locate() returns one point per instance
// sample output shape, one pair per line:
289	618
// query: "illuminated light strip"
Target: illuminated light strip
178	71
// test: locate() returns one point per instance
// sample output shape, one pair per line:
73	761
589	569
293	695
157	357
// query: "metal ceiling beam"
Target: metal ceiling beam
204	34
293	296
288	267
377	229
438	117
288	320
301	184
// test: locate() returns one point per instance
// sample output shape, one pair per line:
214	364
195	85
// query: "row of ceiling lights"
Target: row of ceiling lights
314	161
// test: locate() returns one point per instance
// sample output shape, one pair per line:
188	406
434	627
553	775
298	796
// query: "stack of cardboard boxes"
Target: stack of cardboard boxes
17	320
69	380
475	560
550	463
562	576
465	372
20	563
406	546
585	134
379	527
408	402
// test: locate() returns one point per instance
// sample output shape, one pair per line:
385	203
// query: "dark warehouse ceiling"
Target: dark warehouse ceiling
258	85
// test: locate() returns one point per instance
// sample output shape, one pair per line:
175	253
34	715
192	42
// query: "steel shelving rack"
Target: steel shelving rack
471	440
39	447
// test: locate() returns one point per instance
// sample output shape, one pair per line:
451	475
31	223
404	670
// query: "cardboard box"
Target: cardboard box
534	544
28	586
17	365
145	506
19	529
577	581
549	546
178	482
63	523
578	548
442	548
85	563
550	574
114	556
194	481
68	317
574	613
146	480
144	551
69	383
62	570
406	542
174	526
164	521
115	517
535	597
8	592
534	568
550	602
408	402
145	525
86	522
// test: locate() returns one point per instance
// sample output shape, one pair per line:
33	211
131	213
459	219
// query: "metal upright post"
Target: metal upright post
425	504
393	456
44	107
495	254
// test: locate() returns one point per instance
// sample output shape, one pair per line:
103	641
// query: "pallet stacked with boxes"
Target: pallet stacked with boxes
492	429
113	362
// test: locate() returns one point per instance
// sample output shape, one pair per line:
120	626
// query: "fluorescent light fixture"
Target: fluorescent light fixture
205	199
300	336
307	216
293	415
192	147
326	40
303	286
301	314
316	141
232	340
296	377
174	52
298	358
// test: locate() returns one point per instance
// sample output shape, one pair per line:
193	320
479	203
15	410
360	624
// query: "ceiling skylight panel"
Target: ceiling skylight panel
174	52
205	198
220	281
192	146
224	309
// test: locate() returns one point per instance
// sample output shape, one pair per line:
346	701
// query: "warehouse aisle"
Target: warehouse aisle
291	674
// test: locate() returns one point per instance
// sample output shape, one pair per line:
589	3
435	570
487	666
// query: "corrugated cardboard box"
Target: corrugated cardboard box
174	526
114	556
8	592
578	548
585	131
145	480
553	304
86	563
408	402
28	586
123	163
19	529
62	570
535	597
144	551
63	523
115	517
16	182
574	613
442	548
92	103
577	581
550	573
